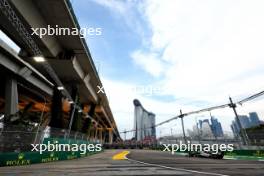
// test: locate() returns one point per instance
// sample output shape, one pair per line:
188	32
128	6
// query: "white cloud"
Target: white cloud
207	45
125	11
214	49
117	6
199	50
149	62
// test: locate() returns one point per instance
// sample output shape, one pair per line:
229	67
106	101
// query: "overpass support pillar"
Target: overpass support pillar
101	135
86	126
11	99
104	136
110	135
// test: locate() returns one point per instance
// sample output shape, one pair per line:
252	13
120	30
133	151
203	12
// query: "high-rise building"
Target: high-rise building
200	124
213	129
206	130
245	123
254	119
235	128
144	122
216	127
244	120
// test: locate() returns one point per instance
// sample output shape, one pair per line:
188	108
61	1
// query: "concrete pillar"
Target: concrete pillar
101	135
104	136
11	99
86	124
110	136
56	120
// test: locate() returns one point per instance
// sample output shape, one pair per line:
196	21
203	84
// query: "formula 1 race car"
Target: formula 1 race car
207	154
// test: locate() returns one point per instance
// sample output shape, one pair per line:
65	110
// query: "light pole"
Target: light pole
242	130
183	131
72	116
198	131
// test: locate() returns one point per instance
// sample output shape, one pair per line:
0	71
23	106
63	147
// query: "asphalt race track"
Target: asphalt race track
225	167
139	162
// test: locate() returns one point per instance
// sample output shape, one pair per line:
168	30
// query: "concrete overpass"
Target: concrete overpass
68	62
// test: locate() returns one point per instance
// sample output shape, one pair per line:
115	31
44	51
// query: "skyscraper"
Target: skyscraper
213	129
245	123
216	127
254	119
206	129
144	122
235	128
244	120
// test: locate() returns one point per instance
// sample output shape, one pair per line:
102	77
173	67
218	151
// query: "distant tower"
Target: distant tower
144	122
254	119
206	129
216	127
244	120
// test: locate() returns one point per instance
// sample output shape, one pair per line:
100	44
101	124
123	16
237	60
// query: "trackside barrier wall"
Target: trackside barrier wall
26	158
257	153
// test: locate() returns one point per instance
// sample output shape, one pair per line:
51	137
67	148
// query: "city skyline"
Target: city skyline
246	122
207	128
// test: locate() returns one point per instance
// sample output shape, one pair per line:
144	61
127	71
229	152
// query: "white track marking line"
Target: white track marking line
179	169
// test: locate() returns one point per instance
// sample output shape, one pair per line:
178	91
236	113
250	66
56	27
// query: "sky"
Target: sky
176	54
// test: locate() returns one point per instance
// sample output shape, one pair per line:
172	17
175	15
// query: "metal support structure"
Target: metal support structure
242	130
10	14
183	131
7	10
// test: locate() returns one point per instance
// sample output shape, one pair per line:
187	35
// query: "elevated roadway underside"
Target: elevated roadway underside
68	56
